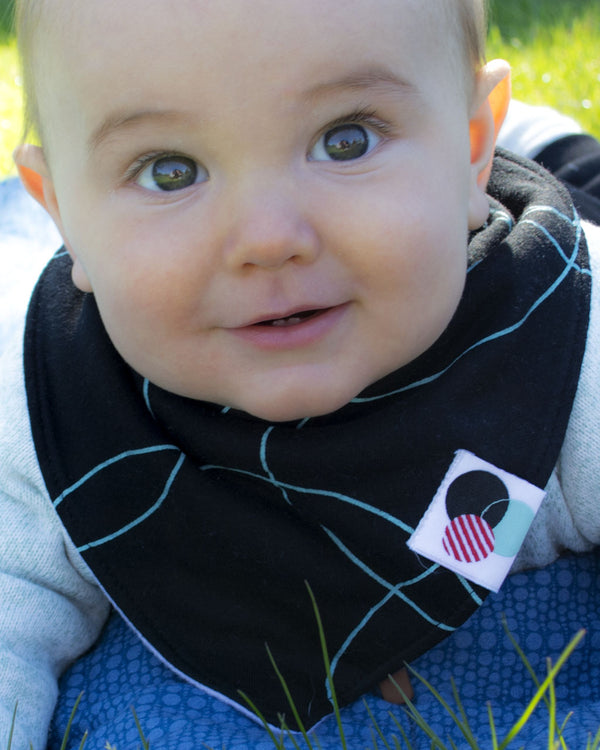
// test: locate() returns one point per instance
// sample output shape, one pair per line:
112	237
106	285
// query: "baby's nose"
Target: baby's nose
270	231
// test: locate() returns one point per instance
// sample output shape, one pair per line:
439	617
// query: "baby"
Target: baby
303	329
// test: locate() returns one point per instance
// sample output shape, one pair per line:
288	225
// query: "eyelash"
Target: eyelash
138	166
363	116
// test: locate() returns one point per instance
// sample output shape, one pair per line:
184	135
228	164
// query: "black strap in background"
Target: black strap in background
575	160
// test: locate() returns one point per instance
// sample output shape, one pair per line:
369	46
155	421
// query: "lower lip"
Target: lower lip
306	333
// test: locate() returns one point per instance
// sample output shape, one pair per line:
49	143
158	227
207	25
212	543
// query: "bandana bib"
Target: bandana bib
204	525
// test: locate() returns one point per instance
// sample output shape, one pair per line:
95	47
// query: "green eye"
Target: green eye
169	173
344	143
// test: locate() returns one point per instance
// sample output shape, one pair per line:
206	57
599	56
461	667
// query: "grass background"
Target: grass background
553	46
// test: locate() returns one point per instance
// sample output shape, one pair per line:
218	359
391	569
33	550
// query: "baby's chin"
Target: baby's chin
295	404
295	409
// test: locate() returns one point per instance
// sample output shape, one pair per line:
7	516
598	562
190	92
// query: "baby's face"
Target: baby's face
270	200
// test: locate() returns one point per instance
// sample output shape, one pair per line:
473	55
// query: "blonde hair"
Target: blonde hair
469	17
473	24
27	17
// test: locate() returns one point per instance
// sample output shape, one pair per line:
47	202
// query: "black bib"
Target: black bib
204	524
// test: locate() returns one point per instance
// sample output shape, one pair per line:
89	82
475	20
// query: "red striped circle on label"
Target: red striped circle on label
468	539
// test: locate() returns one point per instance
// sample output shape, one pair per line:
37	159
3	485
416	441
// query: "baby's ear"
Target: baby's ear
37	180
35	176
490	103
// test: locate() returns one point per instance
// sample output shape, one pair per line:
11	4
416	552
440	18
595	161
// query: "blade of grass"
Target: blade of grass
561	731
374	745
70	722
493	732
327	662
595	743
12	726
255	710
541	691
286	730
145	743
403	734
375	726
290	700
465	727
521	654
412	711
564	724
534	677
554	743
445	705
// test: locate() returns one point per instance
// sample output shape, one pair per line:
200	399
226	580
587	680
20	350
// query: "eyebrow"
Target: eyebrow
116	123
359	80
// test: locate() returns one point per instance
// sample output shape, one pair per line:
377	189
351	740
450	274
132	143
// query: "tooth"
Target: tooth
285	322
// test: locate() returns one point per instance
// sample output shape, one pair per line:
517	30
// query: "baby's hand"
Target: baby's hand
390	692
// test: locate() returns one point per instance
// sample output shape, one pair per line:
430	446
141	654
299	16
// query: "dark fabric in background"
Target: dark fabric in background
576	161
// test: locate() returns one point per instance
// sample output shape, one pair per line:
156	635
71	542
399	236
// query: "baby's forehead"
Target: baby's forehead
63	14
97	33
441	23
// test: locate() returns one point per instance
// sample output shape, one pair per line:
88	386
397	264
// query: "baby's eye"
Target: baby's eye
344	143
171	172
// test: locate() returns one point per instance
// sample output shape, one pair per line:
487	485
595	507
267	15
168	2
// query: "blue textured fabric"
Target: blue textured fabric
543	610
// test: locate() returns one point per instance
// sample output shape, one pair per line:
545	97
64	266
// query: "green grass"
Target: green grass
553	46
11	100
554	49
10	105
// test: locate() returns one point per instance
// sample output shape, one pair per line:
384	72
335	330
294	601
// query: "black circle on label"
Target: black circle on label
476	491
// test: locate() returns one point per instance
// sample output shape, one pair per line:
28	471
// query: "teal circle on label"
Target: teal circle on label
511	531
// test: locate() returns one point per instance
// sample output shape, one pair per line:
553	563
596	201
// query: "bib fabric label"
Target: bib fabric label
477	520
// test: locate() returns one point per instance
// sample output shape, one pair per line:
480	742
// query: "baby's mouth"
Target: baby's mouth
292	320
300	328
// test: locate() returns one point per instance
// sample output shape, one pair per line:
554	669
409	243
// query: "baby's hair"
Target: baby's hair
473	21
26	21
467	16
471	18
